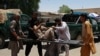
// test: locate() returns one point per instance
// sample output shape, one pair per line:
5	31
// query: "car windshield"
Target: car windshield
71	19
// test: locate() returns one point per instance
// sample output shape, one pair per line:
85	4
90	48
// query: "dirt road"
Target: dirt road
73	52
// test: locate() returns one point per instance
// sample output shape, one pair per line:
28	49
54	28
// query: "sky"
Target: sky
53	5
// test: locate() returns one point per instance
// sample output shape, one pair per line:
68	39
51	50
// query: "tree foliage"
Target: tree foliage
27	6
6	4
64	9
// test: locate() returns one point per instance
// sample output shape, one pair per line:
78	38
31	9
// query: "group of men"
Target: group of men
61	29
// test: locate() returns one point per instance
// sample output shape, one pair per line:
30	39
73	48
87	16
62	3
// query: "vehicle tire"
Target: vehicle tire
2	42
98	38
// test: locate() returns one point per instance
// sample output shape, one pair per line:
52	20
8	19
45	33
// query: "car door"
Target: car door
74	24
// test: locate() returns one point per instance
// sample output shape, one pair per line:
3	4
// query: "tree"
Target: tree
6	4
27	6
64	9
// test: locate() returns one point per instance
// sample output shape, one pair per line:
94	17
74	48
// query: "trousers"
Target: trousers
29	47
66	46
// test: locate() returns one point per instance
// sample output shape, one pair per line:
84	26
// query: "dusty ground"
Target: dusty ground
73	52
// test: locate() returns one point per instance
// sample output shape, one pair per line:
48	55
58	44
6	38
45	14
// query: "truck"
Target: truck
5	18
75	25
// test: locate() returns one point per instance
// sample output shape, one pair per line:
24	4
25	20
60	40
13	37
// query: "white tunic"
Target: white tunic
63	31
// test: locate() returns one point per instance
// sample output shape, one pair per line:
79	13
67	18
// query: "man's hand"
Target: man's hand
18	38
22	34
54	27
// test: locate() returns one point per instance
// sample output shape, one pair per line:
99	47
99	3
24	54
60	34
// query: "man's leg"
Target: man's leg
13	52
28	48
66	49
14	49
59	48
39	46
49	34
85	50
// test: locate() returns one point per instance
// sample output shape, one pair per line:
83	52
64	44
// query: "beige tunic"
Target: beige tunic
87	37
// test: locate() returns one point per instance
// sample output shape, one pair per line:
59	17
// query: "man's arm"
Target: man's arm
20	30
64	25
12	29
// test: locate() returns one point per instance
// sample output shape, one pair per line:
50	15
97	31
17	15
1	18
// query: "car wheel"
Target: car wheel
99	38
1	41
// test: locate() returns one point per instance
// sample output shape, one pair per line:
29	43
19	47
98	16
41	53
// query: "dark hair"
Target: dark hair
38	21
71	11
13	17
57	20
84	15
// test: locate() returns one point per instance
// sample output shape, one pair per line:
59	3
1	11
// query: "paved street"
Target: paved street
73	52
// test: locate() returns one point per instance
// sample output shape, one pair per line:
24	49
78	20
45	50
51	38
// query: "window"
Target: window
71	18
93	21
24	19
